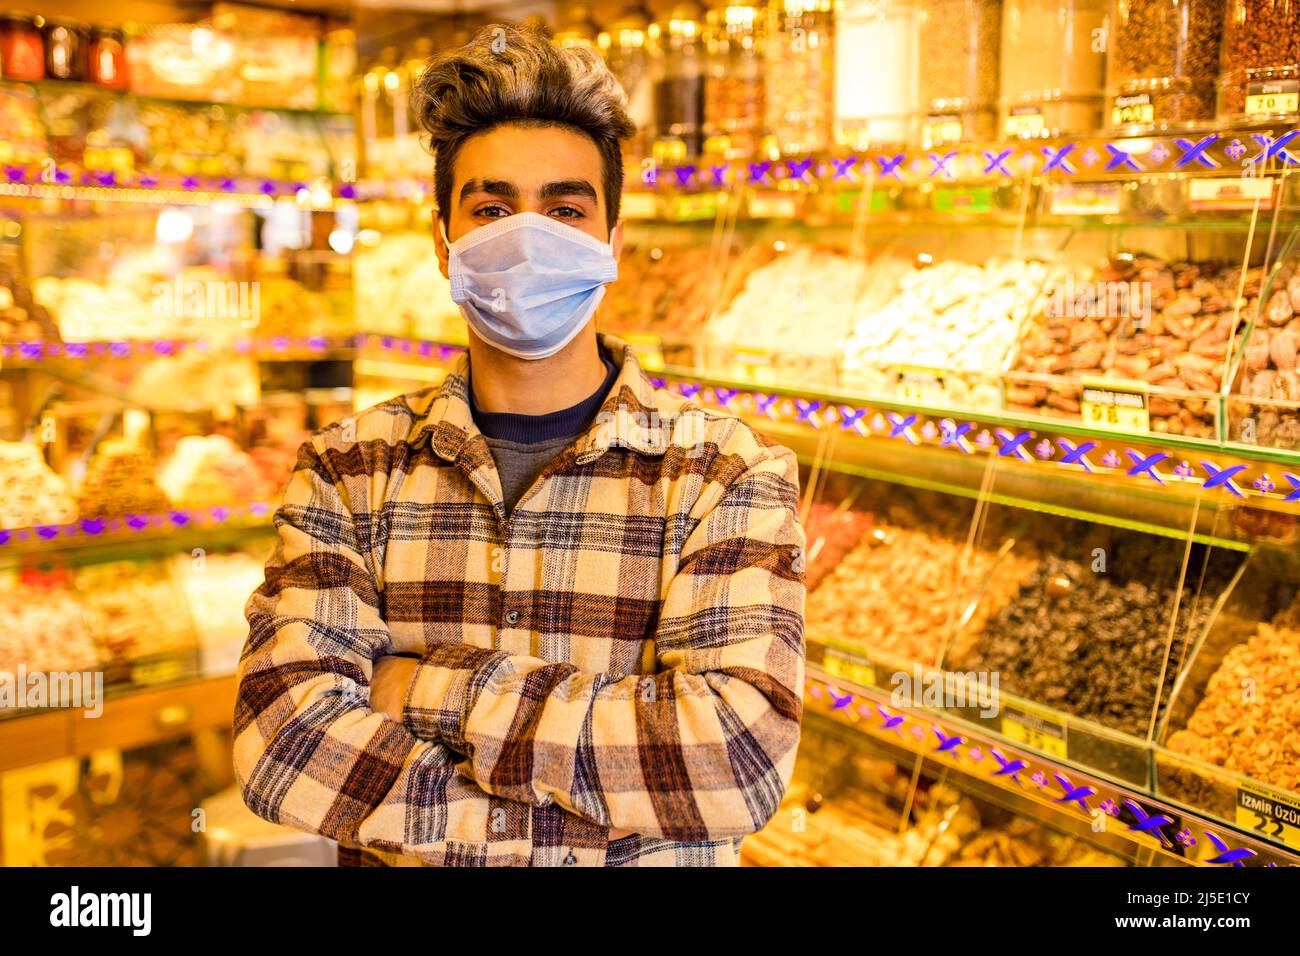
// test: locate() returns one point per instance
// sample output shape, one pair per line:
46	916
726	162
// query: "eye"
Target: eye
568	212
493	211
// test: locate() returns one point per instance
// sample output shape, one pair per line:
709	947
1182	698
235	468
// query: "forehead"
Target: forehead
528	157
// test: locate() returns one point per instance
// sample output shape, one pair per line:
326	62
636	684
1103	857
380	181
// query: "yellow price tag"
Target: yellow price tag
753	364
940	129
1132	110
689	207
920	386
158	670
1115	406
1024	122
117	159
849	667
1035	729
1274	815
773	206
1268	98
649	350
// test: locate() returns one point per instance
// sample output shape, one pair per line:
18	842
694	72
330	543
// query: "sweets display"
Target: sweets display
959	49
733	83
793	311
21	318
133	609
1248	720
1053	66
1094	643
1261	58
120	481
195	379
951	317
34	495
662	290
904	590
42	628
399	289
216	587
206	471
884	34
1269	369
1139	318
677	65
832	532
1162	63
800	89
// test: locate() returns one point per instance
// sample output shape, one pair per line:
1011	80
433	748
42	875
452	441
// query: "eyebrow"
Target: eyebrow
508	190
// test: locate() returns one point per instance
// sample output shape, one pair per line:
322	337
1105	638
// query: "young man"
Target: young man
543	614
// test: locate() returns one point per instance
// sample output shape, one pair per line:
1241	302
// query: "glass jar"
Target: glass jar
21	47
1053	66
577	27
378	87
1261	59
800	93
677	64
960	42
876	72
733	88
1162	63
623	44
107	60
66	43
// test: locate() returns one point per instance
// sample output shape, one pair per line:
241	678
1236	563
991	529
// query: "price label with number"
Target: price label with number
1274	815
958	199
1115	406
1084	199
689	207
773	205
921	386
753	364
1229	193
1035	729
853	668
1024	121
940	129
1134	110
1282	96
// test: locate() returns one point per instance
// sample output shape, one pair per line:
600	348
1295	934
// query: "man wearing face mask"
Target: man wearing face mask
543	613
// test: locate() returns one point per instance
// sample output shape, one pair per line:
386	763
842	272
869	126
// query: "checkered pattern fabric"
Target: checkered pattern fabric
610	674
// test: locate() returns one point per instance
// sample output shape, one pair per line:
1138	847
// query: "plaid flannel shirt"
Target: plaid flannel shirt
623	652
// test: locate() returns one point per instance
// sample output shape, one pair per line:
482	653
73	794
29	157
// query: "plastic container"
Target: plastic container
107	60
800	94
876	72
960	45
1162	63
1261	59
677	65
21	47
1053	67
66	45
735	81
623	44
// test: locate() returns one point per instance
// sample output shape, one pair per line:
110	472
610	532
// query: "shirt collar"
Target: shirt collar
630	417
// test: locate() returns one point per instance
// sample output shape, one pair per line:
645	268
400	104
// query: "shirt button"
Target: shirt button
512	617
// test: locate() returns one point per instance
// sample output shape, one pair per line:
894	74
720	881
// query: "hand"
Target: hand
389	683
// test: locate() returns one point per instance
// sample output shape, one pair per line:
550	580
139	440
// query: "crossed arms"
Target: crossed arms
702	749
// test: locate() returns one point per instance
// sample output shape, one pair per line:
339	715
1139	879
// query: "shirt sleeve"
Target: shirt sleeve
703	749
309	752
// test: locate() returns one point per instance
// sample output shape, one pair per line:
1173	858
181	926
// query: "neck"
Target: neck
503	383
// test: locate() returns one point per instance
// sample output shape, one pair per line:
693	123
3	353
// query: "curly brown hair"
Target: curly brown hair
507	74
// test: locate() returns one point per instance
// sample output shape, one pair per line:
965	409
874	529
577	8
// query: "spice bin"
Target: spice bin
1162	63
1053	66
876	72
677	64
623	44
733	88
960	43
1261	59
800	74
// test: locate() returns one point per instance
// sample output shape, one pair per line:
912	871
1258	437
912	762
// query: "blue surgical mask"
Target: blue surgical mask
526	283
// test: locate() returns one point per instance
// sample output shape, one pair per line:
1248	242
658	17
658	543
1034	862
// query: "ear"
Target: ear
441	247
616	239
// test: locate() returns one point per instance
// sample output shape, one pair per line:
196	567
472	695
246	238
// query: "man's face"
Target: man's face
512	169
